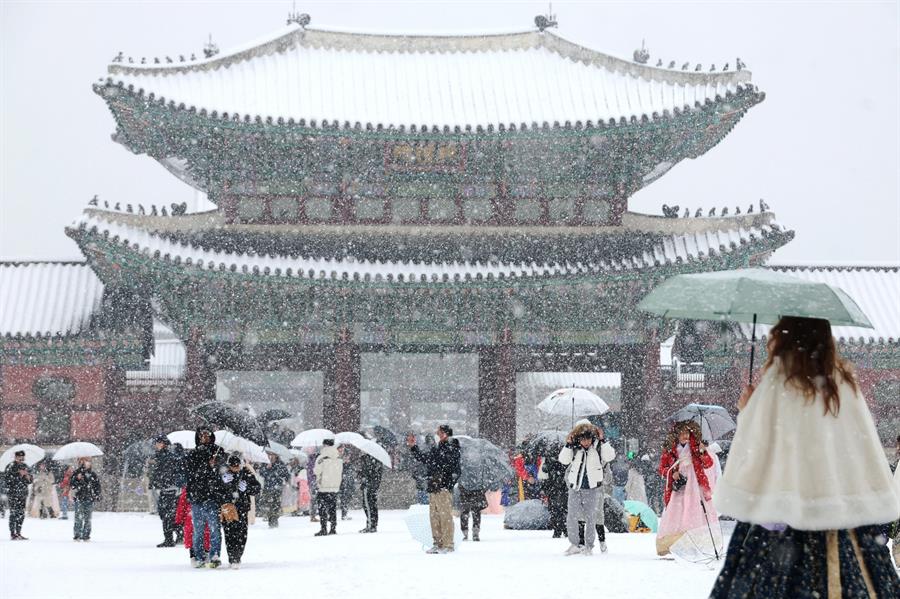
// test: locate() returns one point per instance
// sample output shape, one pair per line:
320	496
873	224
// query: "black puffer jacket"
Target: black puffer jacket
85	484
232	492
203	482
441	463
370	471
274	475
165	470
16	483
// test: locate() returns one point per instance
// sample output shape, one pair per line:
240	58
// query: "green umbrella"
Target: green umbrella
751	295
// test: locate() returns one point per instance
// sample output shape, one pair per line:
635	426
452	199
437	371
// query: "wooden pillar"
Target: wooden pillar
342	386
497	392
200	380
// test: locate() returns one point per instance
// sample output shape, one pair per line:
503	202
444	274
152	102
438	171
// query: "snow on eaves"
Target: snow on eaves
47	298
672	249
446	81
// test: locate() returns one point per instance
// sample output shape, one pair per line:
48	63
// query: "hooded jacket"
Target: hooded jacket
203	482
329	470
588	462
441	464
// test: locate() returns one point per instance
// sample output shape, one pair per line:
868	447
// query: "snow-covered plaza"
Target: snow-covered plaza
121	560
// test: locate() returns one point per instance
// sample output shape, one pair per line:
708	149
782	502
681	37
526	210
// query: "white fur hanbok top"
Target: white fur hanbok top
791	463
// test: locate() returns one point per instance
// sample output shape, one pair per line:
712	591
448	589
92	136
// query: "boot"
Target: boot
465	535
333	531
475	533
167	543
321	533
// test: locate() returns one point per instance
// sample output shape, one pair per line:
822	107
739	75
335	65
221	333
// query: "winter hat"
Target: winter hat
234	460
162	439
328	442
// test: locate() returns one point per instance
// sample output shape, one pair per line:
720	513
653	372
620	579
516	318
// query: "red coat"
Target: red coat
699	461
183	518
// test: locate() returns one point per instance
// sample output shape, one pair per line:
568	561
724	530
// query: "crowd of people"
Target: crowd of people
807	483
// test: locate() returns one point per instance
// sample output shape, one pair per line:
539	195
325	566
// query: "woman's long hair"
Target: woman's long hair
810	359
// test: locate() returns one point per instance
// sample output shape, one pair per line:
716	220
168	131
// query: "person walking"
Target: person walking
471	502
275	474
85	491
204	492
348	483
584	455
329	473
443	470
17	476
239	485
556	490
806	479
165	479
370	472
65	486
44	502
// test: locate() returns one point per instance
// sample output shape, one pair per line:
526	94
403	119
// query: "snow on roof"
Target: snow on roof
415	80
670	250
584	380
876	289
47	298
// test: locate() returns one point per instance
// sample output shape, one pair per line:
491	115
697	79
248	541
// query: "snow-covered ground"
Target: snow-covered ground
121	560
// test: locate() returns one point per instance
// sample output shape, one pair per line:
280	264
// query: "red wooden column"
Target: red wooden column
497	392
342	386
200	381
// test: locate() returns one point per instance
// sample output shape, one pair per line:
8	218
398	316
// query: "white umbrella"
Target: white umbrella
376	451
231	442
348	437
183	438
78	449
312	437
573	401
33	454
280	450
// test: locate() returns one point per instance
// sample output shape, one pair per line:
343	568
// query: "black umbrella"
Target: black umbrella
273	414
483	465
544	442
238	421
385	436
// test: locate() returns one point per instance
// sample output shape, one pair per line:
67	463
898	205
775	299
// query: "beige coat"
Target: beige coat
43	494
792	463
329	470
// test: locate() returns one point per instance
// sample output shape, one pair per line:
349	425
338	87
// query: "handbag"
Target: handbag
678	484
229	513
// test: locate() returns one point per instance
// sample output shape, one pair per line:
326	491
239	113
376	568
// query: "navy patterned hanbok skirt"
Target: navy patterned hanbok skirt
795	564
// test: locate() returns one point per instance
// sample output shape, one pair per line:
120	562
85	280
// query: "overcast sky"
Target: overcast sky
823	149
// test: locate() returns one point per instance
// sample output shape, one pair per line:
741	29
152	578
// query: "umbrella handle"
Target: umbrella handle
752	350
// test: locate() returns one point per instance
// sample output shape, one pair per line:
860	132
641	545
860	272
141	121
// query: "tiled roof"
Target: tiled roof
432	81
47	298
876	289
671	249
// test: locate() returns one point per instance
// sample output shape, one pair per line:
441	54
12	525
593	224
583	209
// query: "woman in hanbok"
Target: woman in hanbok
807	479
688	493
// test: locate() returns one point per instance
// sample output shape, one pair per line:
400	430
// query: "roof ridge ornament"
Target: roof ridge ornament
210	49
642	55
301	19
546	21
